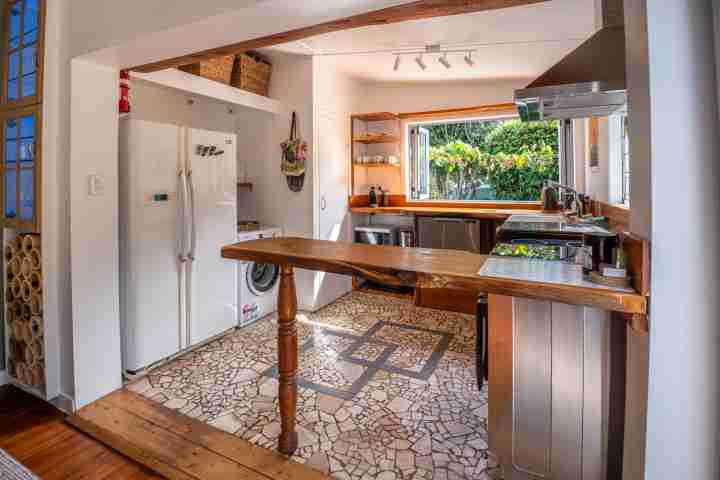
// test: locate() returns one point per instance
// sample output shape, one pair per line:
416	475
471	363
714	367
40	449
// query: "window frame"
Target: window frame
32	225
625	170
5	103
426	118
619	159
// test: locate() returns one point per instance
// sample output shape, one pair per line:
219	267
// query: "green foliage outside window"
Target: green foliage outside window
496	160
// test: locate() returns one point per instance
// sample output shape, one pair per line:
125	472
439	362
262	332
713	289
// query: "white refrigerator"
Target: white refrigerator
178	207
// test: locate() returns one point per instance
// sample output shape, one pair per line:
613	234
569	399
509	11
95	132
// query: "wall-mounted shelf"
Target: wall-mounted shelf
186	82
376	117
369	139
375	138
247	185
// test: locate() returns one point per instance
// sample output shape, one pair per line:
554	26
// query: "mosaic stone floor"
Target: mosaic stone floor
387	390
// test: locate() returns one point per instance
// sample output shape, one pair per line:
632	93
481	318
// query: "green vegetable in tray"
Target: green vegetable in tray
539	252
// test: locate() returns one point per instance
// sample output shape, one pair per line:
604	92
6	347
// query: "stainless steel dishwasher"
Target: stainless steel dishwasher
449	233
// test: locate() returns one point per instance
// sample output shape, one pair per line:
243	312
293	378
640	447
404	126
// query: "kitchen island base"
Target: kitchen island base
555	372
556	390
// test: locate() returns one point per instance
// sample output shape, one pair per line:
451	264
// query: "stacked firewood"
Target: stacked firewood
24	313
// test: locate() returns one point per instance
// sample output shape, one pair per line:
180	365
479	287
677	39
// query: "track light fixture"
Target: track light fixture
433	50
469	60
444	61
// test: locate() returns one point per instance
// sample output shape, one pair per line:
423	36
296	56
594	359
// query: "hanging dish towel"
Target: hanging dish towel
294	158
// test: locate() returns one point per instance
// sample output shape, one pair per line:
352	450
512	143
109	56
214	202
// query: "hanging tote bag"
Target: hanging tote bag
294	158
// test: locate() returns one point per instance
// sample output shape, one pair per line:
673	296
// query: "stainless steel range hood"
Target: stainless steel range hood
589	82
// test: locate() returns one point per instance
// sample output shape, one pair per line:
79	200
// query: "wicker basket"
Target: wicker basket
217	69
252	73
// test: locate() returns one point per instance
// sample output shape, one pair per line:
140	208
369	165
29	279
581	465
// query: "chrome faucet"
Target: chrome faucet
576	204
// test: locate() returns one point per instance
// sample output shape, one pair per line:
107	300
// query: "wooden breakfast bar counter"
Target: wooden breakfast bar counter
413	267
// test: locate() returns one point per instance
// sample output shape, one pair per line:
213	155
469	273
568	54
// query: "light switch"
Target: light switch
96	185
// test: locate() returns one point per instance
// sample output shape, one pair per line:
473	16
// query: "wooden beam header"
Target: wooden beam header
417	10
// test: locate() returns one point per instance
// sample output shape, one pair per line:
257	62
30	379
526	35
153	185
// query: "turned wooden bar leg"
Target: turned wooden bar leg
287	359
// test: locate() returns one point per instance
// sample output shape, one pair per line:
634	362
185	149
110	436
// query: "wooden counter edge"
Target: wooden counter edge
622	302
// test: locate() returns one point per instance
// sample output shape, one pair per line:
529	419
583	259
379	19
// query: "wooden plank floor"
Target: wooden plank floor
179	447
36	434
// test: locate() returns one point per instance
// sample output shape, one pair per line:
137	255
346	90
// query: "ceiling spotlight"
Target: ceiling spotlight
469	60
420	62
397	63
445	61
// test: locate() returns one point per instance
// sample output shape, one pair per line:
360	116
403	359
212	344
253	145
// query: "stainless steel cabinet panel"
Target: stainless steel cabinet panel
559	393
532	392
449	233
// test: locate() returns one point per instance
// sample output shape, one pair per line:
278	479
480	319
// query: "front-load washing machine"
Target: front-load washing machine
257	282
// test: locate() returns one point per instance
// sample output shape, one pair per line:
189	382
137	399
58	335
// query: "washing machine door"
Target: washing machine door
262	278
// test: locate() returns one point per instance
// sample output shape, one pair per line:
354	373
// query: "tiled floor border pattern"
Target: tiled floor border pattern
372	367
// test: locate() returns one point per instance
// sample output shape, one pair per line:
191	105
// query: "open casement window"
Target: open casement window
486	156
20	114
420	155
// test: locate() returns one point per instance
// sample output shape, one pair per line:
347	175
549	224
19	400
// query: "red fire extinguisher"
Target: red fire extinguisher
124	91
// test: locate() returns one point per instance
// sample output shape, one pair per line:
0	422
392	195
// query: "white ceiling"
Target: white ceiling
520	42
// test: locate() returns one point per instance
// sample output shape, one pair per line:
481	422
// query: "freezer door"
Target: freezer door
150	312
212	285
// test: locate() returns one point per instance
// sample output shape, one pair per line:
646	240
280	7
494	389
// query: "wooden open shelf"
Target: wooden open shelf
247	185
376	117
377	135
374	139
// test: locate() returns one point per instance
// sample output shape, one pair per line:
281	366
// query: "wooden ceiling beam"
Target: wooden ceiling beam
417	10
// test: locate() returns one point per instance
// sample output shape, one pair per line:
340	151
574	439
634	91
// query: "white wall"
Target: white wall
684	384
94	231
337	96
57	294
259	154
259	150
419	97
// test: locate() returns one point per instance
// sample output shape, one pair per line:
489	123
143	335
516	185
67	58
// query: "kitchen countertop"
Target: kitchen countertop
431	268
542	271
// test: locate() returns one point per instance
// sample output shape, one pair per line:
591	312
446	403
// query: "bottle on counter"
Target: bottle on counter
373	198
383	196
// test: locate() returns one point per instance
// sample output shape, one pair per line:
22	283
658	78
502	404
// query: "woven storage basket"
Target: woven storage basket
252	73
217	69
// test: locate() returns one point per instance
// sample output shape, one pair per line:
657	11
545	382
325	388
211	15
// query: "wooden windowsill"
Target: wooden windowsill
480	204
477	212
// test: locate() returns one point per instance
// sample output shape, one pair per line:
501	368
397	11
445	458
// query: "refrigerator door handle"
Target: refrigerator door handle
181	224
191	209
